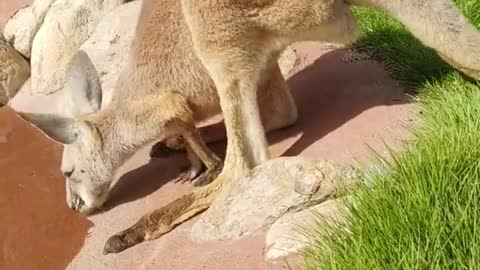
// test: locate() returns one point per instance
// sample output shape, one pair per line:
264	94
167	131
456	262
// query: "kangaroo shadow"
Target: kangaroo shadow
331	92
144	180
328	93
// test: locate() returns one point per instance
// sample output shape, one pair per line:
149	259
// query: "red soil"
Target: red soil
37	230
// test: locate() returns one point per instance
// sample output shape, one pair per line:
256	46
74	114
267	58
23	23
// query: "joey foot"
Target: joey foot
199	178
189	174
208	176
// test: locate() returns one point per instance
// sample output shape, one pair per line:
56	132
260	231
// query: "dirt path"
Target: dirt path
37	230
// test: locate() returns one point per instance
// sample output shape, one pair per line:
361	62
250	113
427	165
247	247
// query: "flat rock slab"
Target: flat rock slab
269	191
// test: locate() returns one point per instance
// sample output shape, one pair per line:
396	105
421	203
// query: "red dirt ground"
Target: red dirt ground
37	230
344	108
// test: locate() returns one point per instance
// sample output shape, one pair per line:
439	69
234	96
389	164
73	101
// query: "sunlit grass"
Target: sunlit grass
423	212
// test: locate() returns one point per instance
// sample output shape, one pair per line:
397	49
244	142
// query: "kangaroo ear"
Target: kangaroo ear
60	129
83	91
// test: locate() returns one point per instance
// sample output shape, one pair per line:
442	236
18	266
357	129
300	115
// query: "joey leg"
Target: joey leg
195	169
201	152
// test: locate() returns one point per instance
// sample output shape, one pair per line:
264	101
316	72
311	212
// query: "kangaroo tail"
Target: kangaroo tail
438	24
165	219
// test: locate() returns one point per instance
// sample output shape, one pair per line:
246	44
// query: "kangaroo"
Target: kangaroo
238	43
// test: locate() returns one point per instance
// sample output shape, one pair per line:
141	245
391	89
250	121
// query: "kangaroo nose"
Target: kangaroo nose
76	203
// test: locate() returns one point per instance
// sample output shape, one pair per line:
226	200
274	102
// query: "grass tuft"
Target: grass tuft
422	212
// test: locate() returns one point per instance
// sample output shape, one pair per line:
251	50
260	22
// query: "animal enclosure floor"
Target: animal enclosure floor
344	108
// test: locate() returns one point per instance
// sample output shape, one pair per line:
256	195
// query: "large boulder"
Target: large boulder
109	44
14	71
67	25
21	29
268	192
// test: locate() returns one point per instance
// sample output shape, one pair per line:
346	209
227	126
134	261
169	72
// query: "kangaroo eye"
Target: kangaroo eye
68	173
82	171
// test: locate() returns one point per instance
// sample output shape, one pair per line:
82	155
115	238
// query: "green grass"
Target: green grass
407	59
422	213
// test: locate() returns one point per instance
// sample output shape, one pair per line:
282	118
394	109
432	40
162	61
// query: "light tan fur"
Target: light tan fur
238	42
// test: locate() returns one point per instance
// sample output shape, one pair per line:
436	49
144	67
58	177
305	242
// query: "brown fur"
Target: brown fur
236	44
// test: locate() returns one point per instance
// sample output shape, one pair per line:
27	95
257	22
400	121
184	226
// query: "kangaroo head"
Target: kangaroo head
87	171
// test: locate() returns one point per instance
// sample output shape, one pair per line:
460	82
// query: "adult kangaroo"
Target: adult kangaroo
237	43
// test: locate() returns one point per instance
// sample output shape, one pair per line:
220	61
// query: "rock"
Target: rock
14	71
265	194
21	29
289	235
109	44
67	25
40	8
287	61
